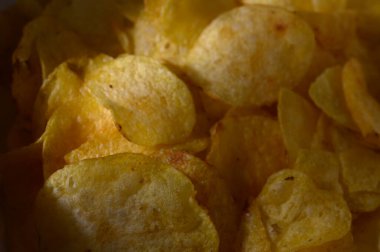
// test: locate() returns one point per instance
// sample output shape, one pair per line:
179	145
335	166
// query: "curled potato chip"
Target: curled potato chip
298	120
151	105
167	29
361	177
246	148
247	54
327	94
322	167
212	193
365	110
253	236
304	5
299	215
123	202
71	125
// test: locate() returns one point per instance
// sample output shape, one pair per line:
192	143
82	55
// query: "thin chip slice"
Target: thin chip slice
361	177
344	244
298	121
246	148
327	94
253	236
365	110
304	5
299	215
125	202
151	105
247	54
70	126
212	193
322	166
167	29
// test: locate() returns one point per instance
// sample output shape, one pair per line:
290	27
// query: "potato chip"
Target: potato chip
212	193
130	9
92	20
151	105
344	244
123	202
366	231
322	167
322	137
361	177
247	54
298	215
253	236
327	93
304	5
70	126
167	29
365	110
246	148
298	120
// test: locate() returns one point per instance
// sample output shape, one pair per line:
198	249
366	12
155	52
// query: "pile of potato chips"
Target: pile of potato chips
167	125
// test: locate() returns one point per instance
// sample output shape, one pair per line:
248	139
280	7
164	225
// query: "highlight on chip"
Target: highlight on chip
150	104
123	202
247	54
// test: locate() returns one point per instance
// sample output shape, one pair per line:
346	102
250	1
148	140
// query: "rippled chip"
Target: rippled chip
167	29
361	177
327	94
305	5
151	105
253	236
122	202
247	54
322	167
365	110
70	126
298	120
212	193
298	215
246	148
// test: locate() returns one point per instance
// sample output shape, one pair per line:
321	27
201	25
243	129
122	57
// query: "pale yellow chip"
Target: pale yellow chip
212	193
322	167
125	202
304	5
297	214
246	148
247	54
327	93
365	110
361	177
70	126
253	236
167	29
151	105
298	120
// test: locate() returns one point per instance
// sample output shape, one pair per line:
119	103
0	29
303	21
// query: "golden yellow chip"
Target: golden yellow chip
327	93
299	215
123	202
212	193
70	126
298	121
344	244
322	167
167	29
246	148
304	5
365	110
361	177
247	54
151	105
253	236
